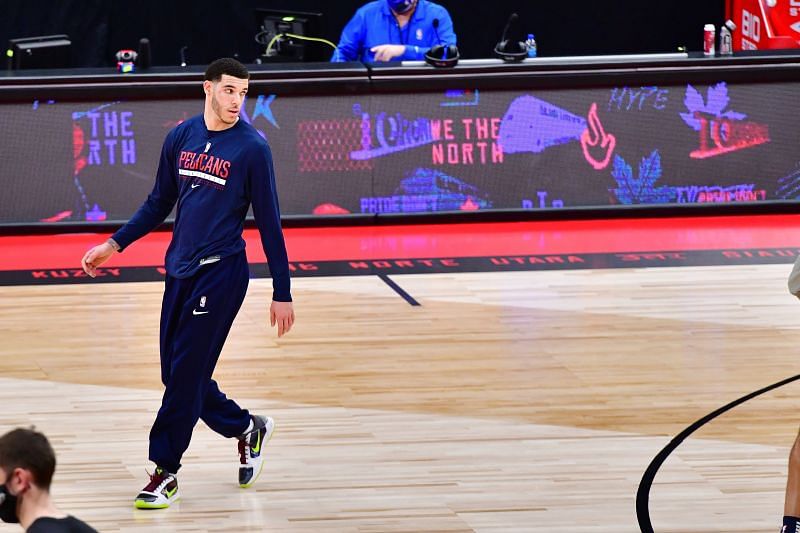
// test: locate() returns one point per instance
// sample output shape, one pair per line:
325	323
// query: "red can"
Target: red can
709	37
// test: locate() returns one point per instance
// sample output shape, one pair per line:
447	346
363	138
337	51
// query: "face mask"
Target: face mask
8	506
401	6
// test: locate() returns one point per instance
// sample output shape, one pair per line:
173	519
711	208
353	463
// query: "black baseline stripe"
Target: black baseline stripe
399	290
643	494
370	267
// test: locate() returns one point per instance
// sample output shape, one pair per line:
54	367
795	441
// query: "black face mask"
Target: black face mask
8	506
402	6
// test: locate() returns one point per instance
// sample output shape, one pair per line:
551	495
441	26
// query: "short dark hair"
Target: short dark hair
28	449
226	65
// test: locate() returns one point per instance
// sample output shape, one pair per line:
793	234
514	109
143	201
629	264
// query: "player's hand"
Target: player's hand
387	52
282	314
96	257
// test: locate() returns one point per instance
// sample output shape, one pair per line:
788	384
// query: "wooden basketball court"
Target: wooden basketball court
527	400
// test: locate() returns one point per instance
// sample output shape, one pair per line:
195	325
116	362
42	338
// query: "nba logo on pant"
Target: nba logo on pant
196	312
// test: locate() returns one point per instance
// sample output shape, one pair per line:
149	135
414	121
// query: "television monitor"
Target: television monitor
275	22
47	51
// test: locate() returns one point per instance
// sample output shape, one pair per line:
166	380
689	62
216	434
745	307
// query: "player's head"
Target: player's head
225	85
402	6
27	461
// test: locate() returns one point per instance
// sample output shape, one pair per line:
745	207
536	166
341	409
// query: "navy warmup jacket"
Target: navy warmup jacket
213	176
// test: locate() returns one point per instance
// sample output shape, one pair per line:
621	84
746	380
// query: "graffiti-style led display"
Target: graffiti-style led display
455	150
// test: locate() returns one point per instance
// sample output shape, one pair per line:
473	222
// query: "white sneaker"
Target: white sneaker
251	446
160	493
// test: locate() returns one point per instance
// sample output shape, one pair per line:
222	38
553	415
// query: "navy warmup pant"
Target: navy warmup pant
196	316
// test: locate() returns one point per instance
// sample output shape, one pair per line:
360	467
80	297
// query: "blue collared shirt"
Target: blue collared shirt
374	24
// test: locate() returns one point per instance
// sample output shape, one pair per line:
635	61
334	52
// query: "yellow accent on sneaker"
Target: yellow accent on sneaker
257	447
141	504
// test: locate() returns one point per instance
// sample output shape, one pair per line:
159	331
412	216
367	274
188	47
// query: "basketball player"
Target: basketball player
27	465
213	166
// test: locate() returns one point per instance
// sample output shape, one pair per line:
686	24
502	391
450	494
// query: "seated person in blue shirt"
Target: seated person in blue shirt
387	30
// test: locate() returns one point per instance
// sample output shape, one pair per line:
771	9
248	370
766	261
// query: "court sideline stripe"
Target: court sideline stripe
643	493
399	290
